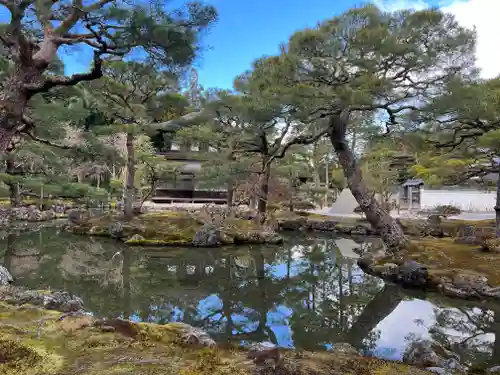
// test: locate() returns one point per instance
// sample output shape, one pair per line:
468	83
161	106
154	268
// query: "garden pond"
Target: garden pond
306	294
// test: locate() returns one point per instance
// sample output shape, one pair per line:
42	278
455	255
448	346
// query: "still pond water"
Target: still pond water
308	293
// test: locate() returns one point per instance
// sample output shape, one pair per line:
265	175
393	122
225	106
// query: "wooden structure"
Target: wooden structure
184	189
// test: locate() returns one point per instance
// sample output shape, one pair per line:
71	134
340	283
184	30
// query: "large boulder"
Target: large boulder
409	274
116	230
207	236
413	274
293	224
77	216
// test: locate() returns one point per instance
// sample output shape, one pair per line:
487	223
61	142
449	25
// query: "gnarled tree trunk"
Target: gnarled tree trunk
15	193
264	189
128	192
13	99
389	230
230	185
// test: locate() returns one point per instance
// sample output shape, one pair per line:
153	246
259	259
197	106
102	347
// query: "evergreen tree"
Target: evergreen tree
38	30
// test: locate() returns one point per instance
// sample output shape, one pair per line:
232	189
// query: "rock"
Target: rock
344	229
493	370
261	352
74	216
207	236
412	274
492	245
293	224
5	276
136	238
49	215
31	213
425	353
366	262
469	280
226	239
58	207
387	270
60	301
322	225
433	226
34	214
193	336
63	301
345	348
116	230
359	231
261	346
272	238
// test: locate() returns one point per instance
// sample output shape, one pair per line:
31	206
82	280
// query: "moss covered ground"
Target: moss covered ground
443	257
34	341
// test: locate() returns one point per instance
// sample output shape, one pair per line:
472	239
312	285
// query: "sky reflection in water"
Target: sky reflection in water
307	294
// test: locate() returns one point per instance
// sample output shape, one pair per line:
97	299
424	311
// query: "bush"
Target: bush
447	210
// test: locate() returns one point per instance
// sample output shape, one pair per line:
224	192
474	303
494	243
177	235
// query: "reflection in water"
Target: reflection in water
307	294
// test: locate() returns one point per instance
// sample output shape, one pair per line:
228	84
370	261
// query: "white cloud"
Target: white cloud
482	14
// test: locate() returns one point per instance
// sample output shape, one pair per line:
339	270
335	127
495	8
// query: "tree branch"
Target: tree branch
47	142
51	82
71	19
299	140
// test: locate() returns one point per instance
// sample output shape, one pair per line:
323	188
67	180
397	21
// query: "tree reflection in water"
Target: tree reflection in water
306	294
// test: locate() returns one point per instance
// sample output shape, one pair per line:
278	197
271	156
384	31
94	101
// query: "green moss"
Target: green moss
170	228
51	346
156	243
443	257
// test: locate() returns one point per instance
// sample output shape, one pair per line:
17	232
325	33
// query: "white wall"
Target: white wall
466	200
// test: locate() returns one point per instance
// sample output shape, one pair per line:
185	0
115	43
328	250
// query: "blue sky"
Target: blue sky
246	31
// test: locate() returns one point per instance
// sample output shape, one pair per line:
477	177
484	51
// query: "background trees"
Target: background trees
336	102
363	61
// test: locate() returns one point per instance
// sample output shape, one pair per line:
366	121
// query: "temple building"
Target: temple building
185	189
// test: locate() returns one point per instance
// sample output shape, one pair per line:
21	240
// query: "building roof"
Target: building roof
413	182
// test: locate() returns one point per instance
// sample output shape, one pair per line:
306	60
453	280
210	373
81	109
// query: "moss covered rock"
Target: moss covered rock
171	228
456	270
35	341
